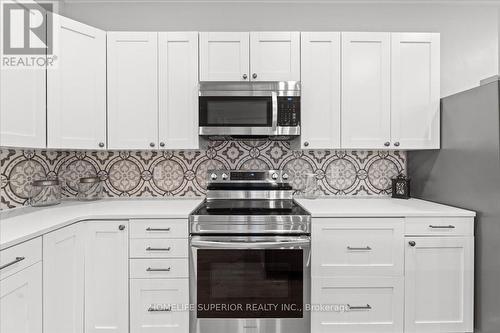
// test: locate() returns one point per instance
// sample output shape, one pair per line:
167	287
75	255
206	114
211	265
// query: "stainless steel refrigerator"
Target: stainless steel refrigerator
465	173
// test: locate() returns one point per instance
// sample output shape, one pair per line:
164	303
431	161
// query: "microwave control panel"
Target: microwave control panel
288	111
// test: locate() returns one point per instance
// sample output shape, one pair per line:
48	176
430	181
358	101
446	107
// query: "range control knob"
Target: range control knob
274	176
213	176
224	176
284	176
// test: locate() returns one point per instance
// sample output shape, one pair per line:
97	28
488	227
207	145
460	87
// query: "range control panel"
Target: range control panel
247	176
288	111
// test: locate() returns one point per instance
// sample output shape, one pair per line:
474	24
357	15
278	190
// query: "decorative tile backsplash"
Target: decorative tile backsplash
183	173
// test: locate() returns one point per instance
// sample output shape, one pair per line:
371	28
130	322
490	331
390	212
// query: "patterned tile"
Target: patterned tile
183	173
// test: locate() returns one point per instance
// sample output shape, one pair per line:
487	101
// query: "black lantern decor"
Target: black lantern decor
401	187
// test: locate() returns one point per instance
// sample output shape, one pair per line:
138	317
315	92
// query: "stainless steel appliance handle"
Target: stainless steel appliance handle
274	101
198	242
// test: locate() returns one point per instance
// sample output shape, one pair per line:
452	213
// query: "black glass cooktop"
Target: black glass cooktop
250	207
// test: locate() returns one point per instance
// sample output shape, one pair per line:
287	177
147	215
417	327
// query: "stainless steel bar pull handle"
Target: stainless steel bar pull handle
359	307
157	248
152	308
157	229
15	261
366	248
158	269
441	226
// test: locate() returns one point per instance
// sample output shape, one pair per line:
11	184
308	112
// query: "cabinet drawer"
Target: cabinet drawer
158	248
159	228
357	305
158	306
18	257
439	226
357	247
158	268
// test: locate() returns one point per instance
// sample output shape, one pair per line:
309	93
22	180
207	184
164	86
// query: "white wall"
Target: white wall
469	34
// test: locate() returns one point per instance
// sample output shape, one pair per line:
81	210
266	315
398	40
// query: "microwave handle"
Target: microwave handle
274	101
244	245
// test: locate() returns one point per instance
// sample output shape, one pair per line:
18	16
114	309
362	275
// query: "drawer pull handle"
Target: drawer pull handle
157	229
153	308
158	269
157	248
366	248
15	261
441	226
360	307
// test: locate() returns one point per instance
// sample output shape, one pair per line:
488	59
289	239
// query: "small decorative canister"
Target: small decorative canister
45	192
90	188
401	187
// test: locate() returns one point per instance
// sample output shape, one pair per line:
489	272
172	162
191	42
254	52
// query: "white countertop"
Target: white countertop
33	222
379	207
28	223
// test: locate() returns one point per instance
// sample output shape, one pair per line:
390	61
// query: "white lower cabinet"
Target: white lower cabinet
439	285
106	277
159	306
63	280
357	304
21	301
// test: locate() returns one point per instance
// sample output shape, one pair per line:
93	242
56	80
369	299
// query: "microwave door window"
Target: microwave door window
250	283
236	111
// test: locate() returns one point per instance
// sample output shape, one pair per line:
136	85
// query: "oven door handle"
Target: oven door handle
216	244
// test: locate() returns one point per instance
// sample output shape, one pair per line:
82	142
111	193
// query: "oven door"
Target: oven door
238	113
257	284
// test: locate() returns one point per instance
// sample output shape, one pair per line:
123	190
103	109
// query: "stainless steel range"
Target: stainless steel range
250	256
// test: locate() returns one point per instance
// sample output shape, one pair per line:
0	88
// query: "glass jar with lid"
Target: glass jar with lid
90	188
45	192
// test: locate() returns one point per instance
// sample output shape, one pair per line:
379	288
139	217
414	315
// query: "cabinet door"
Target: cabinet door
439	286
224	56
63	280
357	305
106	277
153	305
21	301
132	90
366	70
178	82
357	247
275	56
415	91
76	88
22	104
320	100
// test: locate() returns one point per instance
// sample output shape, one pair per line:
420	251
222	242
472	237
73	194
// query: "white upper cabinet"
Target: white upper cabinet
366	88
439	284
22	106
255	56
106	277
76	87
224	56
178	87
275	56
415	91
320	101
132	90
63	280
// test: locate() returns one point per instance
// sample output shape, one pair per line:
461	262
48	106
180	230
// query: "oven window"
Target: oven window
250	283
236	111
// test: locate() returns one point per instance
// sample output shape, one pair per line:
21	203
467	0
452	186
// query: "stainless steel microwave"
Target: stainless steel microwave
249	109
